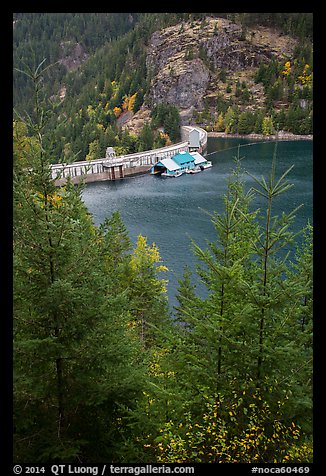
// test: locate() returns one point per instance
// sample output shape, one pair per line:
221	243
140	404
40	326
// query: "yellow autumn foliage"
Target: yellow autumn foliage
24	146
166	137
129	102
54	200
306	76
145	259
232	432
144	253
287	69
132	101
117	111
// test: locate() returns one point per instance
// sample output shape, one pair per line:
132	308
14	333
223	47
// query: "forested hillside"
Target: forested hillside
105	75
102	372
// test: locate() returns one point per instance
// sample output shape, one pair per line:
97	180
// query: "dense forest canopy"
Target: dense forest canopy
97	75
41	35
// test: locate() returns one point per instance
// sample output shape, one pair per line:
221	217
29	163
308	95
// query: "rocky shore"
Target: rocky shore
281	135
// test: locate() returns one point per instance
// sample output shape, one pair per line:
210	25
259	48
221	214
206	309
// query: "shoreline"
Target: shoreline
280	136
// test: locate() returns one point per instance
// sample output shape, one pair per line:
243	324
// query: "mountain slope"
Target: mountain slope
225	72
213	64
186	60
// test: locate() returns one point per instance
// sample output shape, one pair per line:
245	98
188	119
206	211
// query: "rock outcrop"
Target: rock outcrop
185	61
73	55
185	87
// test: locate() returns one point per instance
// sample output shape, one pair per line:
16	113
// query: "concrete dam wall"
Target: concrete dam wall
116	167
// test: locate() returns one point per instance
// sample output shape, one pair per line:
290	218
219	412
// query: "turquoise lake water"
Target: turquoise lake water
170	211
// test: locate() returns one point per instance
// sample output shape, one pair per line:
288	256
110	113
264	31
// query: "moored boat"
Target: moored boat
177	173
195	170
206	165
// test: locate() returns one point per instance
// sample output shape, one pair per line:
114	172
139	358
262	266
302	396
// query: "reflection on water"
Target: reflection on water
170	211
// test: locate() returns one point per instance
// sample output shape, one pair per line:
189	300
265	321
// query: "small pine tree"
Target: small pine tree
146	138
268	126
147	293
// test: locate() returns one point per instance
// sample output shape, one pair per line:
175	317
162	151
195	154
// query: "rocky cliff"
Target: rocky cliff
72	55
185	61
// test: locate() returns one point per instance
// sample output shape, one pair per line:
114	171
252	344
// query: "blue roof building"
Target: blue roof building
165	166
184	160
178	164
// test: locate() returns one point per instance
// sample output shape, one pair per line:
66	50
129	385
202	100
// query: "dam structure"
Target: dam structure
113	167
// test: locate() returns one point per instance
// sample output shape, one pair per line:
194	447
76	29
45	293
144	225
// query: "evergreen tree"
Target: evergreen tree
268	126
275	298
186	296
246	335
77	360
245	123
146	138
258	127
300	279
94	150
219	123
147	293
172	124
214	333
230	120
